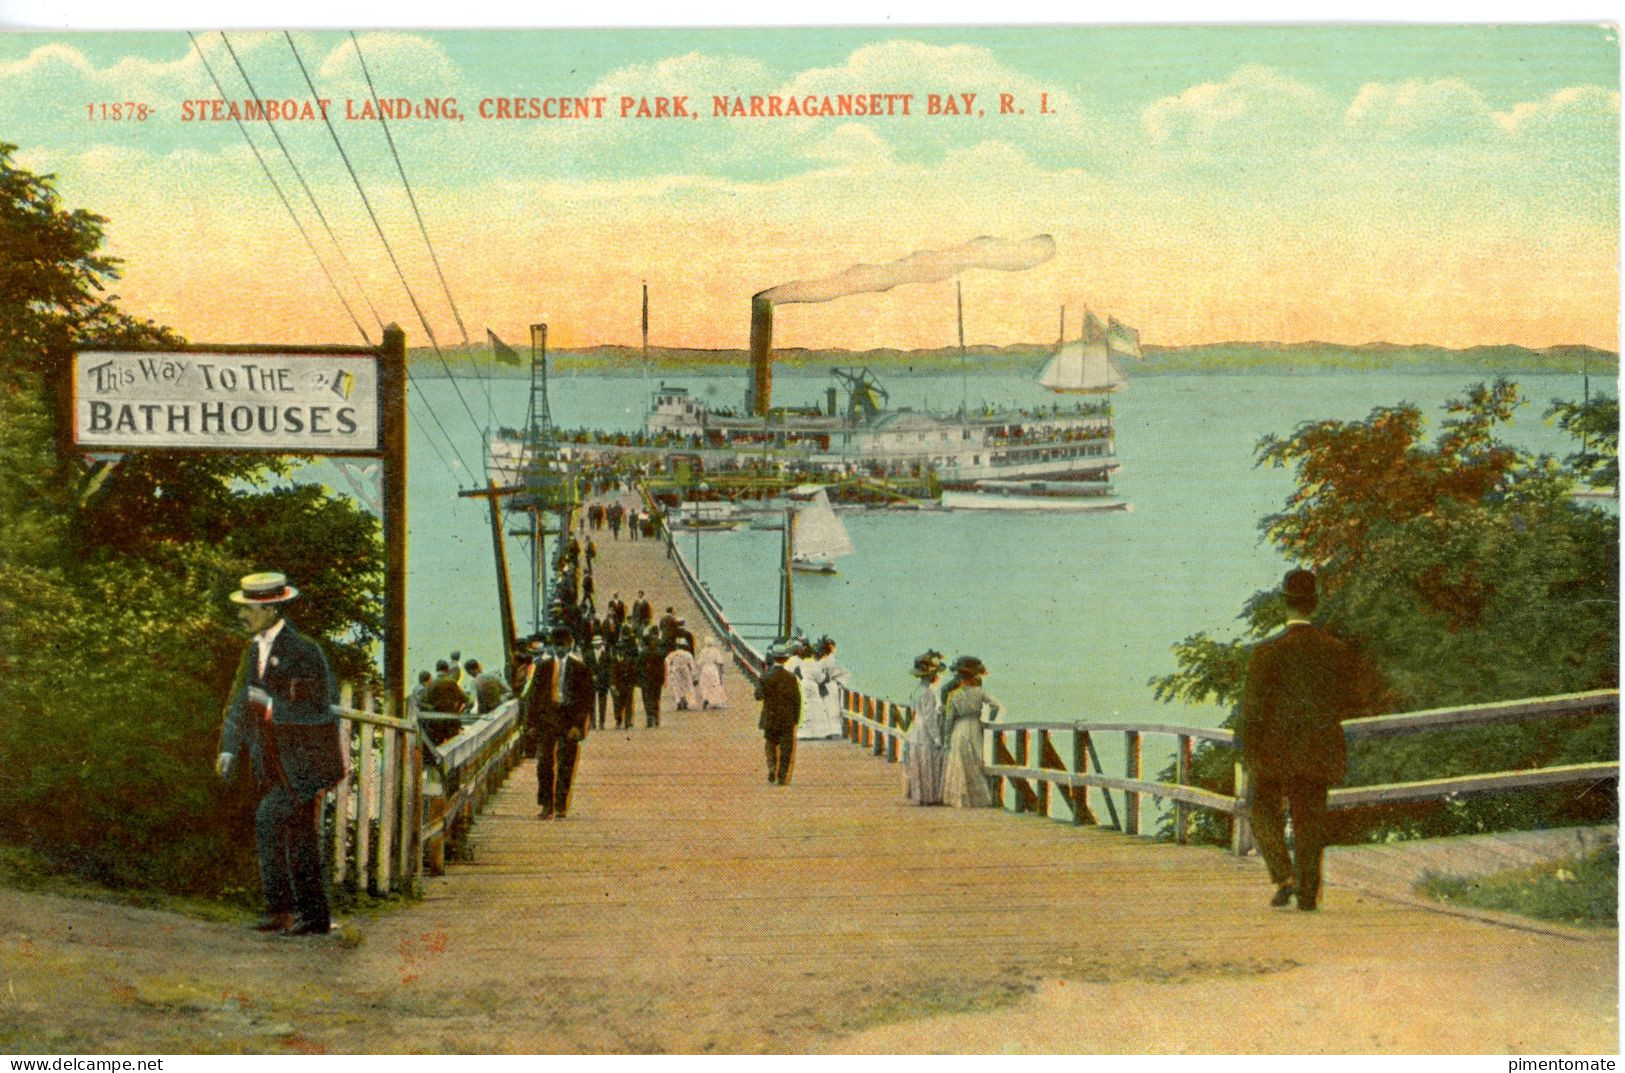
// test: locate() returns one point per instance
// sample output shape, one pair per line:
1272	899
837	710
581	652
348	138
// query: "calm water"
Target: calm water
1071	613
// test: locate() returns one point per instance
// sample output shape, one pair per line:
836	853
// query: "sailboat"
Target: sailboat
820	538
1089	366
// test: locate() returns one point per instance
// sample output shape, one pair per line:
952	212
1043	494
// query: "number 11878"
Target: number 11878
119	110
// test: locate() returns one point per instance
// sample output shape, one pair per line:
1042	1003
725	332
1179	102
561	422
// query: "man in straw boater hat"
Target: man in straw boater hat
1301	684
281	711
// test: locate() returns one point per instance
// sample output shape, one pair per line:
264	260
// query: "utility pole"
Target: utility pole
787	609
392	438
504	591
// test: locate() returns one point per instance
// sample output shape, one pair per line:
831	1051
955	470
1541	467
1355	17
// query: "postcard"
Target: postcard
1145	496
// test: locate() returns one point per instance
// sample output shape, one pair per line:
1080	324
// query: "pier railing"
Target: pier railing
460	776
746	656
1053	769
373	811
404	801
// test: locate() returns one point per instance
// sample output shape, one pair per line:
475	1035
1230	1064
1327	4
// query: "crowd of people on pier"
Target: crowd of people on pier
616	516
590	668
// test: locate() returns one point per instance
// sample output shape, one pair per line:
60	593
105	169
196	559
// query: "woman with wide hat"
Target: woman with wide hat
926	742
964	785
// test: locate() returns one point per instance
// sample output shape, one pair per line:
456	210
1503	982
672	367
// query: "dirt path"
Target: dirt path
687	906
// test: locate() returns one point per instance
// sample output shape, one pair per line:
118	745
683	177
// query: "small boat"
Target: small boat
706	517
819	536
1049	503
809	564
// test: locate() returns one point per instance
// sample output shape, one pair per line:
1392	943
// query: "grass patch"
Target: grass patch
1576	890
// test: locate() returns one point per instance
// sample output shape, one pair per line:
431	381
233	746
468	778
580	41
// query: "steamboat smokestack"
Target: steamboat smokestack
760	396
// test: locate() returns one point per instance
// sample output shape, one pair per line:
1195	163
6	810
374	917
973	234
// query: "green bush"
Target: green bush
1462	573
117	643
1583	891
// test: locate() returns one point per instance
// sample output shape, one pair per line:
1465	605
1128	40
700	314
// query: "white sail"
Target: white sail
1087	368
819	532
1065	368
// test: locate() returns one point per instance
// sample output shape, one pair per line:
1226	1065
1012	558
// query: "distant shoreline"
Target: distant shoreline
1220	359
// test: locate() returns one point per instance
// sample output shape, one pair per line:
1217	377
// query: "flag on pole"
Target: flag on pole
504	353
1123	339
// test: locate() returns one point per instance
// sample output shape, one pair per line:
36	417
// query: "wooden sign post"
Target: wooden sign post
334	401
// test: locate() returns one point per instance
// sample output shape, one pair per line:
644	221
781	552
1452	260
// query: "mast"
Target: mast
787	613
964	389
646	330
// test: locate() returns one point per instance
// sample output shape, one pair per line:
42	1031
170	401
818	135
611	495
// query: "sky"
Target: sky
1455	185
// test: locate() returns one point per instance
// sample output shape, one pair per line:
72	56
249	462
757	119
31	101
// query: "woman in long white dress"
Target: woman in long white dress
712	665
832	678
964	785
680	675
821	677
923	767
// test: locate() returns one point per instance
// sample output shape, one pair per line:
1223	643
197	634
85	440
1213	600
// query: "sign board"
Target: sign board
292	402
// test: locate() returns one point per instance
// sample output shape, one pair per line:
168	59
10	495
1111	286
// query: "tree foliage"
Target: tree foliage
117	645
1462	572
1595	423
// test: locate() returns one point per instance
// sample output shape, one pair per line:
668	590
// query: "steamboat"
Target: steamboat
1038	457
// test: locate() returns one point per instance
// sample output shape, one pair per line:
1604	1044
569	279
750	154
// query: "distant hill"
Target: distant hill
1213	358
1413	357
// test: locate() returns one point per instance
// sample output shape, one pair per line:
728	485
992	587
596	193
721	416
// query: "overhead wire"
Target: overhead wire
266	168
297	174
411	197
337	290
388	249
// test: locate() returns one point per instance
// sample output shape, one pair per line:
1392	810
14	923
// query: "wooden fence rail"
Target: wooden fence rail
373	811
1051	769
1054	770
462	773
405	801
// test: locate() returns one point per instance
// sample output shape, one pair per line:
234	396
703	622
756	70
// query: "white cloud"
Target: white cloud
47	61
1255	114
400	64
1437	111
1579	111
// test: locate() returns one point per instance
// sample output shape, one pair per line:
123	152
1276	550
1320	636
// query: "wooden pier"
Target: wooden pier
687	905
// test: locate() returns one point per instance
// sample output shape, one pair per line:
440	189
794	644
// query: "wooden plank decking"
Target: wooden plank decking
688	905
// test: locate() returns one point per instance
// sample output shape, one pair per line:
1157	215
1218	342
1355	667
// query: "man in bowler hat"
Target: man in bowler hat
561	703
1301	684
281	711
780	694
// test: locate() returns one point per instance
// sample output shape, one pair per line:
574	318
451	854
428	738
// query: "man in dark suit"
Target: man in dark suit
643	612
561	702
1301	684
281	711
623	678
780	694
651	676
615	610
